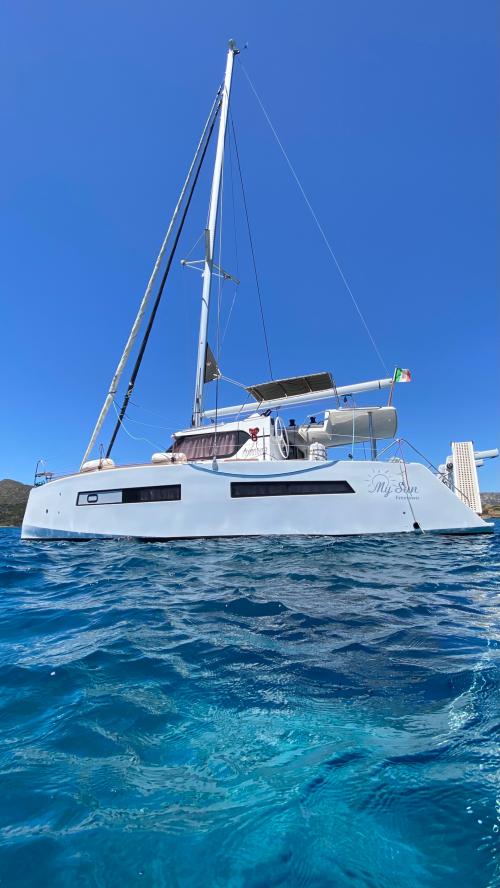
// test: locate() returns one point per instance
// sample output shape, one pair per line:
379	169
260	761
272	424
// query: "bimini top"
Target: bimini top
295	385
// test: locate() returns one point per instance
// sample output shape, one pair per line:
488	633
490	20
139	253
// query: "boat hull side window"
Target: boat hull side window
157	493
288	488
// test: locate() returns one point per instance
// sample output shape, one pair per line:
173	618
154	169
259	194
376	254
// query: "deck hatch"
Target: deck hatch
288	488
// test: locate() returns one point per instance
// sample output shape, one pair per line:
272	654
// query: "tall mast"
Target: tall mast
210	238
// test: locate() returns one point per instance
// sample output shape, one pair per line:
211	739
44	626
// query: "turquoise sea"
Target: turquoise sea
296	712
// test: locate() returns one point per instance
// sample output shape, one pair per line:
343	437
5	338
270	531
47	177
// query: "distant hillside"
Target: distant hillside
13	499
491	505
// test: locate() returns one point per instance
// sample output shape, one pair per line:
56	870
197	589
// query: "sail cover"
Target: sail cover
294	385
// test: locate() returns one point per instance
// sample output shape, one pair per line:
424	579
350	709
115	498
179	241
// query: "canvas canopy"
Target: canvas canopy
294	385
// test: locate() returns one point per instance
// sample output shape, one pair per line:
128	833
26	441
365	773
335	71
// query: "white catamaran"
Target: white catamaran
240	470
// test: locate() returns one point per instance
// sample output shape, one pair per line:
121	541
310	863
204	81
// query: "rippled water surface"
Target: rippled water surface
250	713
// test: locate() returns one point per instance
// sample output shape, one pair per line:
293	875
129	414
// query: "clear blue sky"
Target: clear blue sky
389	112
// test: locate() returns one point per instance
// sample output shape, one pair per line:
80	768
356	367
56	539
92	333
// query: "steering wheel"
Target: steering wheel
281	435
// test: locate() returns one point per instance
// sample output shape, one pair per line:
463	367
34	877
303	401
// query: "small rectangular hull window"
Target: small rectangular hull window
288	488
158	493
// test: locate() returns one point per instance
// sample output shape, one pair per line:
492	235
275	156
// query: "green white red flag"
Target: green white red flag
401	375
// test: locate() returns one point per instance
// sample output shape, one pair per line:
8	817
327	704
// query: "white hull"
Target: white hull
386	498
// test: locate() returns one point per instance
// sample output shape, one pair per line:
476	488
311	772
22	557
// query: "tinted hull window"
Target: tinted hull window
288	488
158	493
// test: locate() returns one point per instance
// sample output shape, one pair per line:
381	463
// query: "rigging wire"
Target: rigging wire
193	248
235	236
234	382
152	425
147	294
252	248
220	283
148	410
160	293
316	220
404	475
134	437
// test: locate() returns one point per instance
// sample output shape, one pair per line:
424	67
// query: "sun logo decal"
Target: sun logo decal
380	481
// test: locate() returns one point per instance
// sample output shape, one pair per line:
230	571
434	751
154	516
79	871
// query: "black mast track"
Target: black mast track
149	327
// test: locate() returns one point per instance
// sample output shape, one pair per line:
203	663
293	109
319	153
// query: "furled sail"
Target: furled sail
351	426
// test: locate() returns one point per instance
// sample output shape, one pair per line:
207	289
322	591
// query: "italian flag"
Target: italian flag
401	375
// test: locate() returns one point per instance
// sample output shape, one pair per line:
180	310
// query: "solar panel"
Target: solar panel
294	385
